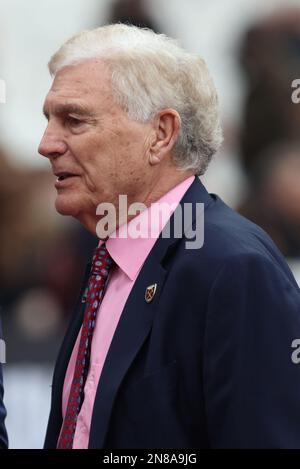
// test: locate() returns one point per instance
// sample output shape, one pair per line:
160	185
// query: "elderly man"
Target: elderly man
174	343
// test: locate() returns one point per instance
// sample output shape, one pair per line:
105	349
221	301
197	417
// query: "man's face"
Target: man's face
94	149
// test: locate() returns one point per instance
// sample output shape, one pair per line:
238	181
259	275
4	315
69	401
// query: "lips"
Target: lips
62	175
64	179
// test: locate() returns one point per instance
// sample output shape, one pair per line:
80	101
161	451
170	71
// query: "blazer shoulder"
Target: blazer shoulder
231	238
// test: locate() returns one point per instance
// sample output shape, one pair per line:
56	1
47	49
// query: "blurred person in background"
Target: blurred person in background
270	58
131	12
275	202
41	264
168	347
3	433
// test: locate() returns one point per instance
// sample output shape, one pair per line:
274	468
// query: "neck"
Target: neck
158	189
163	185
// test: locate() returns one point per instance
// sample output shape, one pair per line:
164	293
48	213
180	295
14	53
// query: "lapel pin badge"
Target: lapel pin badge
150	292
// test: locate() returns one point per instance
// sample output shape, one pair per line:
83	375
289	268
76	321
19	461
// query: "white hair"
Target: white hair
151	72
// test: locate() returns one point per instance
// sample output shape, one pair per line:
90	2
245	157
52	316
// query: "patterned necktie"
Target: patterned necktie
101	265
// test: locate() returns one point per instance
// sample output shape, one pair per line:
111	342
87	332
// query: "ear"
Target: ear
166	125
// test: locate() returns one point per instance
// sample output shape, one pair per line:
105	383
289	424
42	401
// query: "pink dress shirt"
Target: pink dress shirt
121	281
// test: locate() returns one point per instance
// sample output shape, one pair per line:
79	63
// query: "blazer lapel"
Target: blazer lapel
132	330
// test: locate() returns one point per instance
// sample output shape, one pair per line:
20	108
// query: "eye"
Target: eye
73	121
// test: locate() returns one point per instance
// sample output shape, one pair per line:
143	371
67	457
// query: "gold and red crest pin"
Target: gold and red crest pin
150	292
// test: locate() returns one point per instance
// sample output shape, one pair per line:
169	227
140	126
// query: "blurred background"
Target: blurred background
253	51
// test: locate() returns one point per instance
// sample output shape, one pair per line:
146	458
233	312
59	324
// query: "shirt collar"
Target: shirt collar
130	253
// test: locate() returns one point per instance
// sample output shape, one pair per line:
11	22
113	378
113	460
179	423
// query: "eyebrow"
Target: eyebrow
69	108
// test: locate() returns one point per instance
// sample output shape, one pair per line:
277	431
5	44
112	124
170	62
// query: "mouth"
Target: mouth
61	176
64	179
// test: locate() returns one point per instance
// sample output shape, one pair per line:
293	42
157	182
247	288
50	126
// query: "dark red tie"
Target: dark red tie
101	265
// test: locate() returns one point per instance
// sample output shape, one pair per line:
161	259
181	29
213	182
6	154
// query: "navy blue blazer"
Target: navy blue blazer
3	434
207	363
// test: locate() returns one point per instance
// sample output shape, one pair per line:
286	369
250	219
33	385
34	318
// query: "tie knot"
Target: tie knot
101	262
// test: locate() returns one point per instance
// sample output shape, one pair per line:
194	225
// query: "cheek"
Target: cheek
100	179
113	163
90	159
133	154
133	174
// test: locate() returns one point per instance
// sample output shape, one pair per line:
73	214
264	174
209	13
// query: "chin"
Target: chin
67	206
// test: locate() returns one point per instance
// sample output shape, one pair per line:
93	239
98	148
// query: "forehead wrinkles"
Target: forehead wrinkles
67	107
88	83
86	77
87	87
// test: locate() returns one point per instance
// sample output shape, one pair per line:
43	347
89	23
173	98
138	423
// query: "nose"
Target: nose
52	144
